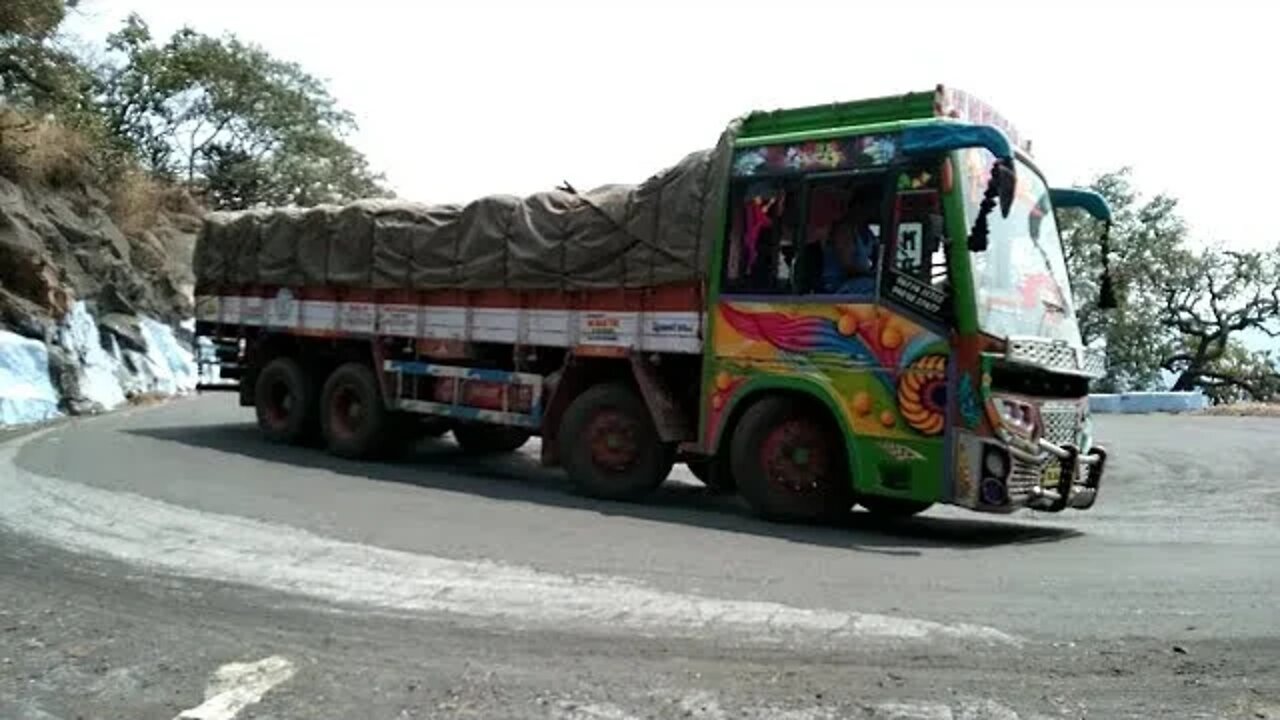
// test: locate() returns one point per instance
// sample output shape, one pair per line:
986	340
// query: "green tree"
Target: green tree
229	118
1144	235
1212	297
1182	311
34	71
27	60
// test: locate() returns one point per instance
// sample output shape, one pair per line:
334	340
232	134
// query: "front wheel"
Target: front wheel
715	473
353	418
610	447
789	464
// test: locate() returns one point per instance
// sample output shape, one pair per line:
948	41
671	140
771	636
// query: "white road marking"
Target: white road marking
913	711
236	686
567	710
702	705
984	709
697	705
184	541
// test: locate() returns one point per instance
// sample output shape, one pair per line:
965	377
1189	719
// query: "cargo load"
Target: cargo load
661	231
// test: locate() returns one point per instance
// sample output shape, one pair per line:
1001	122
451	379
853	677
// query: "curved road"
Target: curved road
165	562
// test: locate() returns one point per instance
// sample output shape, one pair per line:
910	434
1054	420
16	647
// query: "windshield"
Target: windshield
1021	280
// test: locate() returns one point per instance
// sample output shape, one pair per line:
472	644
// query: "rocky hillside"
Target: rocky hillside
67	265
57	246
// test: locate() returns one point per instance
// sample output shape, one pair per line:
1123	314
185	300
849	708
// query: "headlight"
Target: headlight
995	463
1018	415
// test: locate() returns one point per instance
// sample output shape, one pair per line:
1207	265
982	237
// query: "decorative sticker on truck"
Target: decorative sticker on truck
887	373
602	329
284	310
818	155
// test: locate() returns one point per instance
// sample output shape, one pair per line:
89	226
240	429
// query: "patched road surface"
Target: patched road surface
168	563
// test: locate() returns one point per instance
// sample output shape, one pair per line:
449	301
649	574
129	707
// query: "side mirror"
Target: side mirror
1107	299
1006	182
1096	205
1107	293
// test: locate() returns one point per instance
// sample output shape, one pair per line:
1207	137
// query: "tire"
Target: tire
486	439
403	432
354	421
789	464
609	446
713	472
892	507
432	427
284	400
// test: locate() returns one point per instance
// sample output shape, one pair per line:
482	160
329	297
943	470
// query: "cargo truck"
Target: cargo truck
863	303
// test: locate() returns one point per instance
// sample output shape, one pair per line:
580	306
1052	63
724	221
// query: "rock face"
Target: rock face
103	303
61	246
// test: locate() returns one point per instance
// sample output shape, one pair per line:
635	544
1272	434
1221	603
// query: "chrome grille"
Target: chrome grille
1024	476
1095	362
1056	355
1034	351
1061	423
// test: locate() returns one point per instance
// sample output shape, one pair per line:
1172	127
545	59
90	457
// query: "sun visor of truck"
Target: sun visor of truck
945	137
1087	200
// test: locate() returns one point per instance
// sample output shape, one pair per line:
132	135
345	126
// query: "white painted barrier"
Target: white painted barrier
1147	402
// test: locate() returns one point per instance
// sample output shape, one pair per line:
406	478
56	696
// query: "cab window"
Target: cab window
916	274
804	236
763	235
841	250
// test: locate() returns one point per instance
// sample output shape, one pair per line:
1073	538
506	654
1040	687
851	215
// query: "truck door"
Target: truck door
915	291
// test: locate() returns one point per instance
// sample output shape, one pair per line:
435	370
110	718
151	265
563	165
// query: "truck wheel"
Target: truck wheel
790	466
892	507
432	427
715	473
485	439
401	436
609	446
284	400
353	419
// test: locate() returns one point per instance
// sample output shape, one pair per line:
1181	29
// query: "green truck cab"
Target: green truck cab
894	265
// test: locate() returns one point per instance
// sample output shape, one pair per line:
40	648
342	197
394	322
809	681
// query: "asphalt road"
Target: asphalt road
162	559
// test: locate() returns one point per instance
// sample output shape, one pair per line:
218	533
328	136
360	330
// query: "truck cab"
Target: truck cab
891	321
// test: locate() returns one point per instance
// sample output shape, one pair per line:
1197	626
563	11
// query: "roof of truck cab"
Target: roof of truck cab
939	103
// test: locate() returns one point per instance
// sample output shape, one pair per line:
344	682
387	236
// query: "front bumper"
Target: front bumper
1056	477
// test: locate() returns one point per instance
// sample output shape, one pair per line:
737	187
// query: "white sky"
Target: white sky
459	99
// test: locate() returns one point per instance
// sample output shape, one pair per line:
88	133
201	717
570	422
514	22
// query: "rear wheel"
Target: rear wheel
432	427
893	507
284	400
610	447
484	439
353	419
789	464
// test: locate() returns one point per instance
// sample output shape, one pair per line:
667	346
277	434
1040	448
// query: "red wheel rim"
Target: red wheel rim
611	435
346	412
279	403
795	457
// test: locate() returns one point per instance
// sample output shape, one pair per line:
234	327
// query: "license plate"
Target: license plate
1052	476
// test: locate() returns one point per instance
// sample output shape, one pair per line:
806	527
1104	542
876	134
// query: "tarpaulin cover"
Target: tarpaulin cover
661	231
